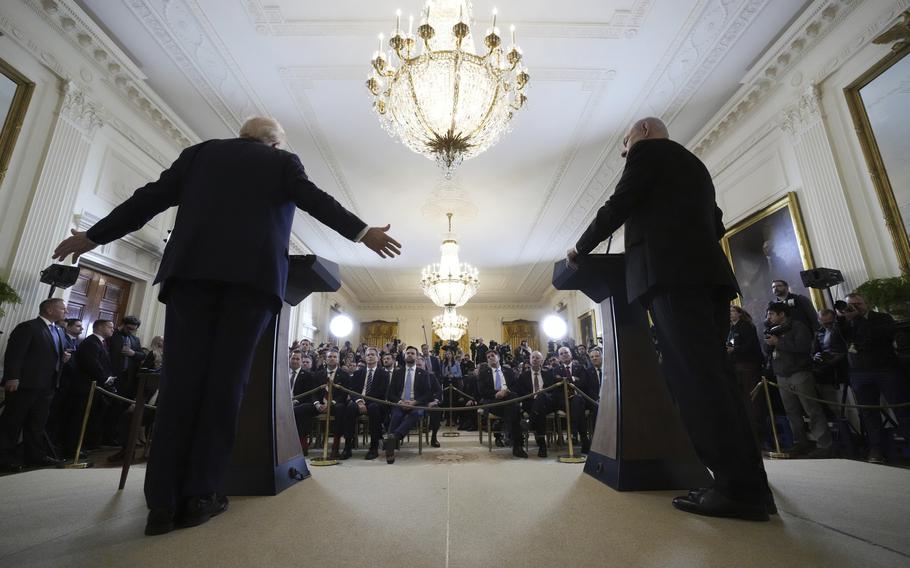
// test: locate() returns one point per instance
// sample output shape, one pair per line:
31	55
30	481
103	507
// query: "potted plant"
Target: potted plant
7	296
891	295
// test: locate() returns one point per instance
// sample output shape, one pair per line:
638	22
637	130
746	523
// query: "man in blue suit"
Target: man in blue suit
223	277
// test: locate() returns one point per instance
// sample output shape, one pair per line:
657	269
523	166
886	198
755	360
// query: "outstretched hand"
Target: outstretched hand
381	243
76	245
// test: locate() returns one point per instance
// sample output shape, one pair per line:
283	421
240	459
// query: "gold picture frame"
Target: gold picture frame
866	134
587	329
15	113
770	244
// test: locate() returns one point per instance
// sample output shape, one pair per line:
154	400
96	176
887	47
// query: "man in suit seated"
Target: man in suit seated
410	386
542	404
32	366
223	277
497	384
373	381
577	374
334	373
435	417
304	407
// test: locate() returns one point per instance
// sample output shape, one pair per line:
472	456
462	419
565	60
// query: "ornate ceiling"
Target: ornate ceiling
596	65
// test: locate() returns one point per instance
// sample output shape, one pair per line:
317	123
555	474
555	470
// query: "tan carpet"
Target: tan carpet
460	506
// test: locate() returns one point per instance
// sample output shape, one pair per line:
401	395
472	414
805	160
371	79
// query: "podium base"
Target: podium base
646	475
264	480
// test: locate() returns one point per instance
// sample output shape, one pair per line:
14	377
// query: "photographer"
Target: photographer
874	370
479	351
745	352
792	363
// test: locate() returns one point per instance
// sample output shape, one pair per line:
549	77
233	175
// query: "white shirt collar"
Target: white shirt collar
101	339
47	322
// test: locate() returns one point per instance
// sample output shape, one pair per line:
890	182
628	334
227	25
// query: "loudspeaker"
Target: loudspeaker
60	275
821	278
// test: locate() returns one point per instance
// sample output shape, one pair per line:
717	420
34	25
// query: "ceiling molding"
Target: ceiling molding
181	28
117	70
269	20
810	28
409	306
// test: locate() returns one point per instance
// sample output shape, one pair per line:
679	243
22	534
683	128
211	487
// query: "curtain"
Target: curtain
377	333
513	332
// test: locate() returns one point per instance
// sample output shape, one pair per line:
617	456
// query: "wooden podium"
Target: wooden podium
639	441
267	457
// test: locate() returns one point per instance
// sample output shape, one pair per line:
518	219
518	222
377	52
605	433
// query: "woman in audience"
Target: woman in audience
745	352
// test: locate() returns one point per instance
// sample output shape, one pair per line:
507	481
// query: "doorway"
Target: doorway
97	295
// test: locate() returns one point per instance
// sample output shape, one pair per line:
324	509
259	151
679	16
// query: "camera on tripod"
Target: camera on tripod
778	330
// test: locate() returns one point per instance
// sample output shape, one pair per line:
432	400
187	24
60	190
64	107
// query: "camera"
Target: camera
778	330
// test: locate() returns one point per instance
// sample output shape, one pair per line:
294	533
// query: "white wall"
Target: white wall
789	129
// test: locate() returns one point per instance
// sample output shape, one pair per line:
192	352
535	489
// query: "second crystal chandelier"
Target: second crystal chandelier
443	100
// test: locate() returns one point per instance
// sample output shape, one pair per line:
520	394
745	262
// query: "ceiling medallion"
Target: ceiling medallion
443	100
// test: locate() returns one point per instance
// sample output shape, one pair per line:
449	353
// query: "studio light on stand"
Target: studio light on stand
555	327
341	326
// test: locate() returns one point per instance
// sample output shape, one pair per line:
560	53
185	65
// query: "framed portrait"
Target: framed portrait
587	327
878	102
770	244
15	94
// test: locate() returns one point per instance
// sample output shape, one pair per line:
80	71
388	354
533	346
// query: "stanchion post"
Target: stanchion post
451	433
324	460
571	458
88	408
771	418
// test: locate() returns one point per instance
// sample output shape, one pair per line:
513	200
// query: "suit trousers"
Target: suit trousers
870	388
212	331
793	392
692	326
375	417
26	411
403	421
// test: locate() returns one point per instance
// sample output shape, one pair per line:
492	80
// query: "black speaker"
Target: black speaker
60	275
821	278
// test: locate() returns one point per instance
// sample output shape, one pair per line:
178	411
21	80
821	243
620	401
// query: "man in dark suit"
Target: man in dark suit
435	418
127	355
410	386
676	268
579	375
65	413
373	381
304	407
536	379
223	276
34	360
801	308
332	372
93	363
434	365
497	384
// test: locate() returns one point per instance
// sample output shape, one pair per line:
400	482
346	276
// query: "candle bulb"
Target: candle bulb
381	37
397	22
460	9
495	11
410	25
512	29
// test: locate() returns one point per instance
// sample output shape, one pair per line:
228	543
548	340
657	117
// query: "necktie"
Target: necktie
408	384
54	337
498	379
536	381
366	389
293	379
599	379
126	343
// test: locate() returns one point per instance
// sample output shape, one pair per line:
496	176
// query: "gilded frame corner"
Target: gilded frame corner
16	115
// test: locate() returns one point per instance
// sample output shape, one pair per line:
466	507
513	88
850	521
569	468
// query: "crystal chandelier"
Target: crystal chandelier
444	100
450	326
449	283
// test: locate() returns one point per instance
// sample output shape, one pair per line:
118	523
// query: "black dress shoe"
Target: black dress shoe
499	443
390	443
435	443
770	505
346	453
519	453
160	521
44	462
372	454
542	452
585	445
198	510
712	503
10	467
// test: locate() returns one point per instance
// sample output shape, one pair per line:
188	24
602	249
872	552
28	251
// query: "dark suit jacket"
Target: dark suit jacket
380	382
93	362
305	381
237	199
665	198
872	339
577	370
486	383
341	378
31	357
527	380
423	390
115	345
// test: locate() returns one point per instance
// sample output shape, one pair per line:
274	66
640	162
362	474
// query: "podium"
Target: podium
267	457
639	441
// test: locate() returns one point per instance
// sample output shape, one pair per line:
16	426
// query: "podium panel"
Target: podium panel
639	442
267	457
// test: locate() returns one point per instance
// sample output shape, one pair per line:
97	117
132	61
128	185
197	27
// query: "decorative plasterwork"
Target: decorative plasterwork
269	20
184	32
804	113
81	111
84	220
898	35
815	23
118	71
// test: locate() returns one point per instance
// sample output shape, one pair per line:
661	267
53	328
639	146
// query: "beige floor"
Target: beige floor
460	506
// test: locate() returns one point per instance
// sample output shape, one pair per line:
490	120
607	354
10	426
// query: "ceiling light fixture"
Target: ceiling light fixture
449	283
